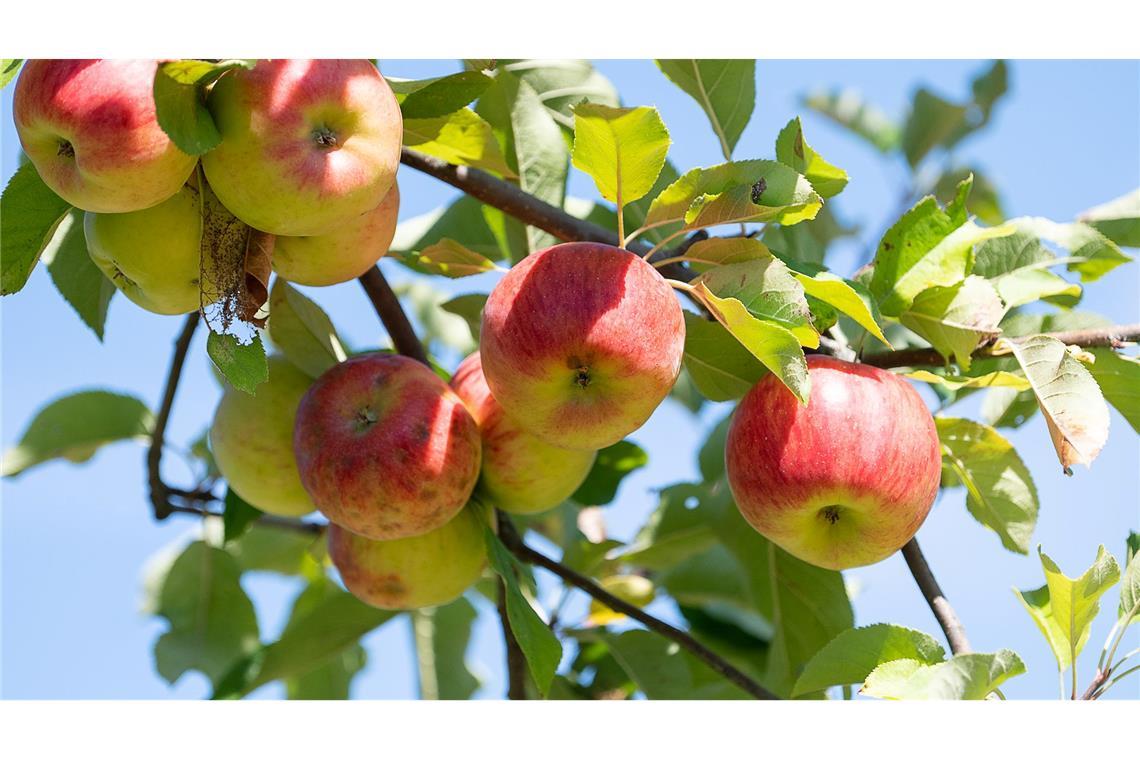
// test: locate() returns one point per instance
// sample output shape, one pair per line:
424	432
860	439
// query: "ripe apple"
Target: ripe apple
89	128
307	145
521	473
385	448
581	342
420	571
252	441
846	480
152	255
343	254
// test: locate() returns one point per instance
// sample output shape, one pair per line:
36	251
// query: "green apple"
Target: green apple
343	254
307	145
152	255
252	441
422	571
521	473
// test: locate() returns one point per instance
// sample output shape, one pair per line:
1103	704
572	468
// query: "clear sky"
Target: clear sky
74	539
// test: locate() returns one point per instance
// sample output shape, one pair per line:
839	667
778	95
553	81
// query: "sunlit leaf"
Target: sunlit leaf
965	676
724	89
622	149
851	656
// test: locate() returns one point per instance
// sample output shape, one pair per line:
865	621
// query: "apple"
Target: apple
521	473
581	342
251	439
420	571
844	481
307	145
152	255
385	448
343	254
89	128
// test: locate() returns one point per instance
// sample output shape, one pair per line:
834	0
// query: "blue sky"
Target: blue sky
74	539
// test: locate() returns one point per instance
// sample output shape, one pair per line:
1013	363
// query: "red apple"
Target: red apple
521	473
307	145
844	481
581	342
421	571
89	128
343	254
385	448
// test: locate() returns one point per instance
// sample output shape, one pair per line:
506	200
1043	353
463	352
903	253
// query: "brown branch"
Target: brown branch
523	206
395	321
519	548
516	660
943	612
1114	336
300	526
159	493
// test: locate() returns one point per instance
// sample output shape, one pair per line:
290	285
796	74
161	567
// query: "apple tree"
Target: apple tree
390	481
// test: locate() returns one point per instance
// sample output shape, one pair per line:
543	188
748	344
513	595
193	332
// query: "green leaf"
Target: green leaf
332	680
442	635
243	365
564	83
792	149
302	331
955	319
264	547
721	367
776	347
212	621
662	670
1017	265
965	676
447	258
1119	379
541	647
999	489
1130	583
673	534
998	379
180	102
612	465
29	215
636	211
470	308
1100	255
330	625
1064	608
462	220
718	251
851	111
461	137
9	68
844	297
74	427
768	290
738	191
238	516
924	248
78	280
1069	398
932	121
808	242
724	89
438	96
852	655
984	199
710	459
622	149
436	326
1118	219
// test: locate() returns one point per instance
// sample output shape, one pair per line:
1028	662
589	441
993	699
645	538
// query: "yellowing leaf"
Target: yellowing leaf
999	379
792	149
622	149
842	297
635	589
717	251
461	137
768	290
447	258
956	318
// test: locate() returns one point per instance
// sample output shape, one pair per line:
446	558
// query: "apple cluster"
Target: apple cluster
579	343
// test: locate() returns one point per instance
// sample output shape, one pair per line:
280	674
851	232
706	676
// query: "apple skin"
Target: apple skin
581	342
152	255
252	441
385	448
521	474
846	480
343	254
408	573
89	128
307	145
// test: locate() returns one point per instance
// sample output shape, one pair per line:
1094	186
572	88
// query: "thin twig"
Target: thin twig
516	660
514	542
159	493
395	321
943	612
